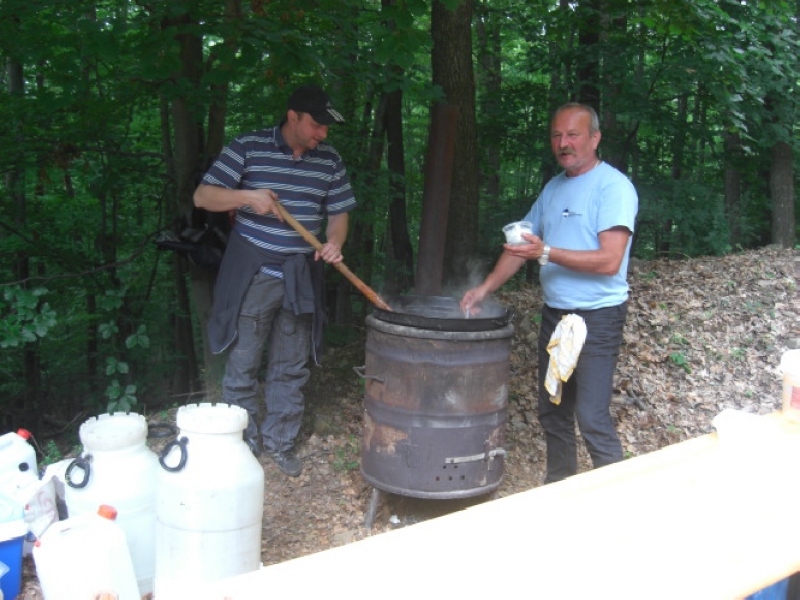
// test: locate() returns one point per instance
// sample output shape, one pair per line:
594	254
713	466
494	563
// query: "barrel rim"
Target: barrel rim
383	326
404	312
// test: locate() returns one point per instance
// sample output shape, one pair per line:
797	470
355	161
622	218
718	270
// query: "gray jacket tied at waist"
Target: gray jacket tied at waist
303	283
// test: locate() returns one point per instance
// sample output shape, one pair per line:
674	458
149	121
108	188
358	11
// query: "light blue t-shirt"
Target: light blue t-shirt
569	213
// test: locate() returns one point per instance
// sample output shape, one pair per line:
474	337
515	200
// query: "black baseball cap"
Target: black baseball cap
313	100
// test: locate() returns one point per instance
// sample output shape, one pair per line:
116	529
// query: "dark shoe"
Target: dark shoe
287	461
254	445
252	437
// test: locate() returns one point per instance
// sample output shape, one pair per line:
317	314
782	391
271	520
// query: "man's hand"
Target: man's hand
263	202
220	199
471	300
331	253
530	251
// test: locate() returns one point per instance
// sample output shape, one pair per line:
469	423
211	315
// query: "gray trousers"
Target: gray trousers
263	321
586	396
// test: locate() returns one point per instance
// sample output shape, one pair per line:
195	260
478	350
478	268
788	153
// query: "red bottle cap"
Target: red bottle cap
107	511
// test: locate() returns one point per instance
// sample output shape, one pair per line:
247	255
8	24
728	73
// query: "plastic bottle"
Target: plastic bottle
117	468
209	506
85	557
17	462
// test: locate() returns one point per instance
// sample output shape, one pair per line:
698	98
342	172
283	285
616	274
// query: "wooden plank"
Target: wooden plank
710	518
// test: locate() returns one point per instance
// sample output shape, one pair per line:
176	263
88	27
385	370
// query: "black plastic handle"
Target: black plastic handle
160	430
82	462
181	443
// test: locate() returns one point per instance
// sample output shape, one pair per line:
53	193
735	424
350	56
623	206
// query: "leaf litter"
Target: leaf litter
703	335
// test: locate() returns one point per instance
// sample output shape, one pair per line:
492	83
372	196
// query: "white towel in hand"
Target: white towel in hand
565	347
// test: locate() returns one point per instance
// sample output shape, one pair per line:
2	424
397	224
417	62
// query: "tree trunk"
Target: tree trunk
362	237
615	65
781	188
781	174
679	138
436	200
453	70
588	66
490	86
188	161
401	251
29	402
733	187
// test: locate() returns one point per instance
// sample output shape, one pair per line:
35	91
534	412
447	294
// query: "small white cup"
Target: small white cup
515	230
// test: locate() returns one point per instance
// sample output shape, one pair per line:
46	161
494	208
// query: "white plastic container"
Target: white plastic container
210	501
17	462
515	230
117	468
82	557
790	367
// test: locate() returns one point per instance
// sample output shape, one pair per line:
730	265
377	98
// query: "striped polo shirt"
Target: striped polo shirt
310	187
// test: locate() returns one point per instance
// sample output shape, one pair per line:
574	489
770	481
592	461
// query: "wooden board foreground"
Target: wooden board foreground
716	517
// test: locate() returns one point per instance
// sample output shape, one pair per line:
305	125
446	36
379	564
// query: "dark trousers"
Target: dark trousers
264	321
586	395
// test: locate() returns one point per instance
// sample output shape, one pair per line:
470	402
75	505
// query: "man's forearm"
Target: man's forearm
506	267
219	199
336	232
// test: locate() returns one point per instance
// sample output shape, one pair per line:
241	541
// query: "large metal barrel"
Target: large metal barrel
435	407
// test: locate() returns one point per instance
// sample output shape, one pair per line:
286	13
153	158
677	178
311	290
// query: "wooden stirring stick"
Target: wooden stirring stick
362	287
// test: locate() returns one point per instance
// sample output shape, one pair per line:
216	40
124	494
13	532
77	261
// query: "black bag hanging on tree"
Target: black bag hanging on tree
202	241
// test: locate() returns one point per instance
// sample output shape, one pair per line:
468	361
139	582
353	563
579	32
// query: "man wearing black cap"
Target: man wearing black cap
269	290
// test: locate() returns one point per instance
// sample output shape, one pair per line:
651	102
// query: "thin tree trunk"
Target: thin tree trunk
615	61
491	81
15	184
453	71
781	188
188	160
733	187
588	67
192	155
402	252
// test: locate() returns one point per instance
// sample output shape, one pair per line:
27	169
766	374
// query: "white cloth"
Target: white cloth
564	347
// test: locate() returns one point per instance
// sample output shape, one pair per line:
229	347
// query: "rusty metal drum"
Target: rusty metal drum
435	409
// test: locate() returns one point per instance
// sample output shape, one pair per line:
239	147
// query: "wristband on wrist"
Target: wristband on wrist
545	257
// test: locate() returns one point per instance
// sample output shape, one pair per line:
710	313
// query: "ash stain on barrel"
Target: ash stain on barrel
383	438
453	399
501	396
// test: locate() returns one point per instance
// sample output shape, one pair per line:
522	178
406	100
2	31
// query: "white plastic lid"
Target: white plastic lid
211	418
113	431
526	226
790	363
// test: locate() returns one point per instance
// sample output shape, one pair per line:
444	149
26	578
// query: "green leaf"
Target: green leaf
114	390
107	330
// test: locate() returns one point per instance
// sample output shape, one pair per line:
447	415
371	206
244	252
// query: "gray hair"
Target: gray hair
594	125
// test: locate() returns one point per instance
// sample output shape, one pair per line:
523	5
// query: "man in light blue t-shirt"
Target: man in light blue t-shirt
583	223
